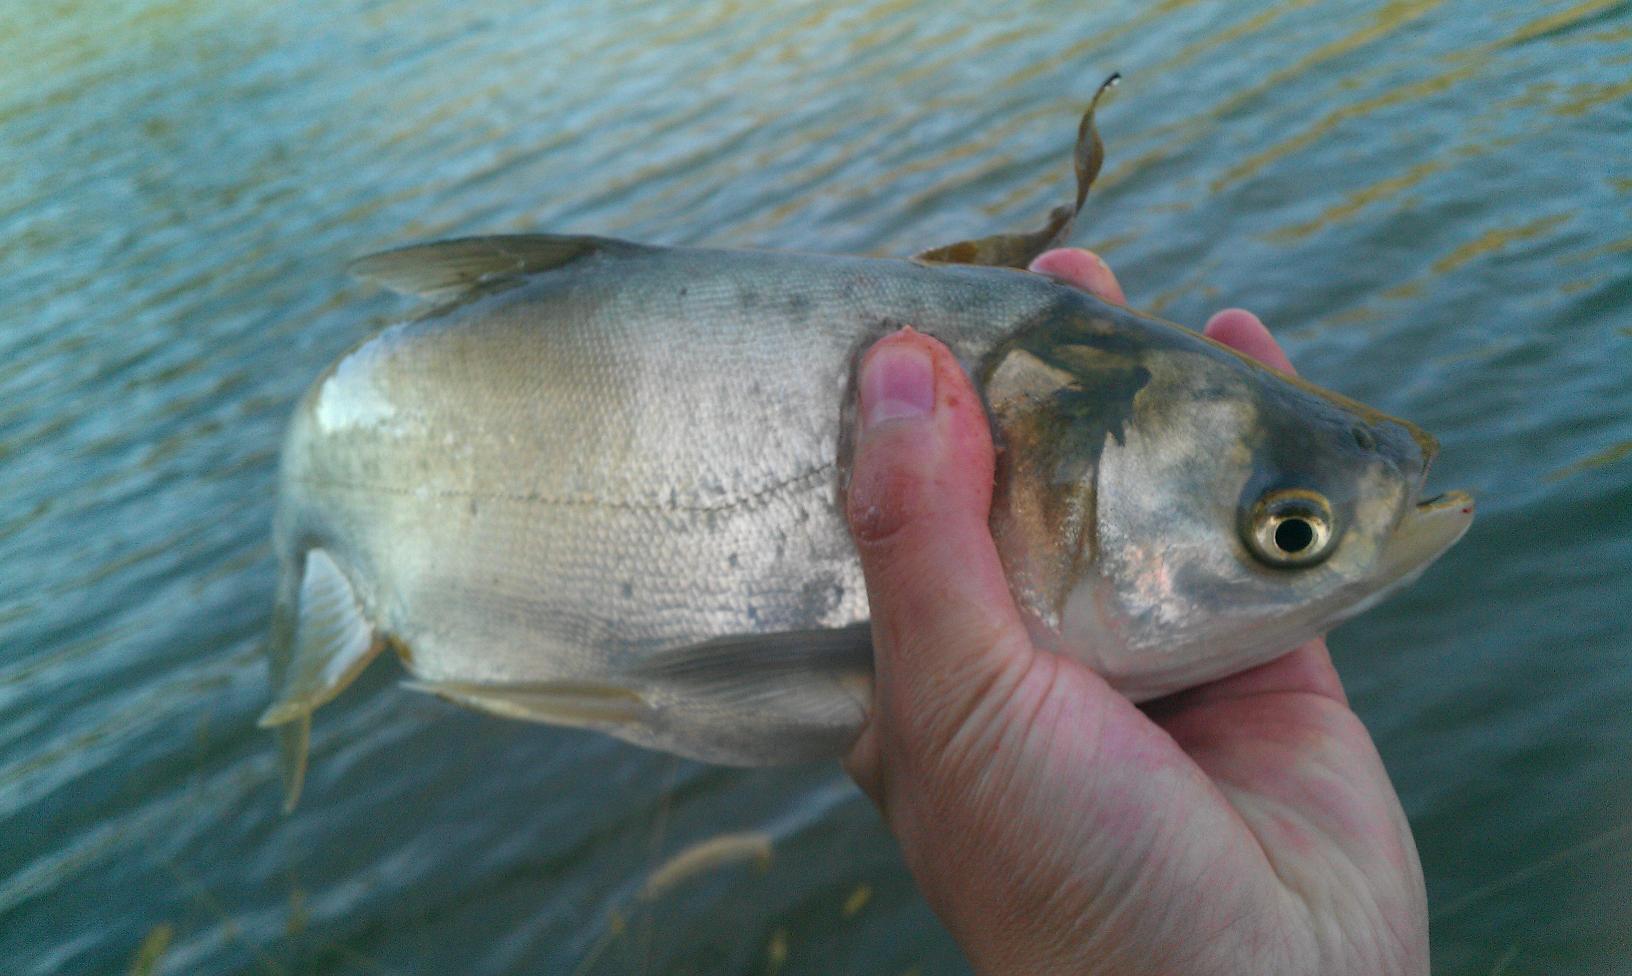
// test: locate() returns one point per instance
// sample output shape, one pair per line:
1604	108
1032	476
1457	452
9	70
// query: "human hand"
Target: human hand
1244	826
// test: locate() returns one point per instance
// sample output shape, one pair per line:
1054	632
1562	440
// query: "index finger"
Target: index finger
1245	333
1082	268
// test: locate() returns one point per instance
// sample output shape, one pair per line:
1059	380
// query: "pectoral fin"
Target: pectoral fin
1019	250
751	669
767	699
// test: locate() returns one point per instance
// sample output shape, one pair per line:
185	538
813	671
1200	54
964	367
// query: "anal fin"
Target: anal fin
743	700
580	704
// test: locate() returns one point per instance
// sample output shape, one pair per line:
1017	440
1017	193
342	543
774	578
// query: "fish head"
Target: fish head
1172	512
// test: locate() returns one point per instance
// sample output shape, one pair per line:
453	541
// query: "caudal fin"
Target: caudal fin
320	642
294	739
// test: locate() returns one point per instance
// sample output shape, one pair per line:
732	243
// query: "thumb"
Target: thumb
946	635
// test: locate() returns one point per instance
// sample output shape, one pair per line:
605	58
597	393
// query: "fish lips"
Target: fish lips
1429	526
1427	529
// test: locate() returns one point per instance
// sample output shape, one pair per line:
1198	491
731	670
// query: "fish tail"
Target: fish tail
320	642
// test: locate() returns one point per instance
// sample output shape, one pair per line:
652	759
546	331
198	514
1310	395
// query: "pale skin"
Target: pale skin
1245	826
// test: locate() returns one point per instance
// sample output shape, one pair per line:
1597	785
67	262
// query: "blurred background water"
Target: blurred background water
1430	200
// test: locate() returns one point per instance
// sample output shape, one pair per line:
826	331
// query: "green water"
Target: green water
1430	200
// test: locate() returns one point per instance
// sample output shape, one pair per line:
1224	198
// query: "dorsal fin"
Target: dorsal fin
447	269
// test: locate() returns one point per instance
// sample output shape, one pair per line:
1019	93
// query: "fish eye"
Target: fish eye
1291	528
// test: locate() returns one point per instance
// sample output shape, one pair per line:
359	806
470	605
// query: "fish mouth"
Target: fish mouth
1458	501
1455	499
1428	529
1451	499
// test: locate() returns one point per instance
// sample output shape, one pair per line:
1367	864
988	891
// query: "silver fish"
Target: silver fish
600	484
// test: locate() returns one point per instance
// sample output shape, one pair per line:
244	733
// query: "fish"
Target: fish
600	484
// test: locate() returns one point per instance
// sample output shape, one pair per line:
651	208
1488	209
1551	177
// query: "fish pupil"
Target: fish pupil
1294	535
